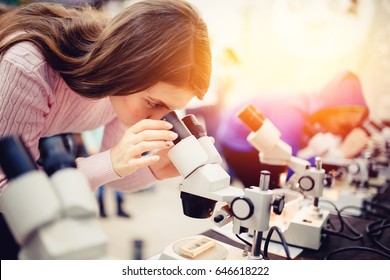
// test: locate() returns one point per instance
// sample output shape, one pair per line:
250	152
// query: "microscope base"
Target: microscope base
304	230
380	180
349	196
67	239
220	251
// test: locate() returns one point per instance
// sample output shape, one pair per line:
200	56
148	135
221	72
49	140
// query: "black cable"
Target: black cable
338	214
282	239
249	244
382	226
357	248
379	206
376	232
366	211
343	223
358	234
245	241
339	234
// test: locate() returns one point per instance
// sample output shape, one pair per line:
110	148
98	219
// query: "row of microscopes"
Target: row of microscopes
52	214
360	179
206	182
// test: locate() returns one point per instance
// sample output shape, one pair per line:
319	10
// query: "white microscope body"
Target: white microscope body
379	147
358	190
306	227
367	174
362	177
50	217
205	182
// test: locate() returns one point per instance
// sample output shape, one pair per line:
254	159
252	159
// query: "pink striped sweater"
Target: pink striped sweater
35	102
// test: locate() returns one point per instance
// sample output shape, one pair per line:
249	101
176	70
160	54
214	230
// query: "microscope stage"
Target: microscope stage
220	251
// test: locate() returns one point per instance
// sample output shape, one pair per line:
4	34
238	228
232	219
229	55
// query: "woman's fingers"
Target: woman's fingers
151	135
146	146
143	161
148	124
144	136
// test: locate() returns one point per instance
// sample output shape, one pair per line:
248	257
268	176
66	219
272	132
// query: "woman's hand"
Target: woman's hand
354	143
163	168
146	135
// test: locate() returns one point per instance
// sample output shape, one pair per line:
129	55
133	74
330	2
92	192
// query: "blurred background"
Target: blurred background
297	46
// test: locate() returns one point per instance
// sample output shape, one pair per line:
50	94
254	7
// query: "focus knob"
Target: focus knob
353	169
306	183
278	204
242	208
328	180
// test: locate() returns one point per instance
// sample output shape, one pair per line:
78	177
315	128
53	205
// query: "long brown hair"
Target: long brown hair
150	41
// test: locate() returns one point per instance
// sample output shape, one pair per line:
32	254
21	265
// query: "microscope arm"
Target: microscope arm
274	151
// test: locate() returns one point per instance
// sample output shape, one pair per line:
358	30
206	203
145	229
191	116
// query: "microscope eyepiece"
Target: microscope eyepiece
178	126
15	159
194	126
251	117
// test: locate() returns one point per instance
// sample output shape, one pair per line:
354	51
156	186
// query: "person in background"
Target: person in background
334	113
119	203
65	70
89	143
80	146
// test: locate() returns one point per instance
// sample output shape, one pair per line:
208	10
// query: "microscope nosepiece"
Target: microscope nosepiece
251	117
178	126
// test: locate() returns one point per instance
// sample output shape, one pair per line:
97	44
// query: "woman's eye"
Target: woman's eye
153	104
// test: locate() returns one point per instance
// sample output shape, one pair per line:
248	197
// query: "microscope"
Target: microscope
51	214
359	179
351	187
204	184
368	173
360	174
306	226
379	148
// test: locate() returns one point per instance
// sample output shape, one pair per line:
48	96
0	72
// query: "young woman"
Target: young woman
70	70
